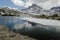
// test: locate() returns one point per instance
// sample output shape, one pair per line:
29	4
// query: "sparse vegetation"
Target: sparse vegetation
54	16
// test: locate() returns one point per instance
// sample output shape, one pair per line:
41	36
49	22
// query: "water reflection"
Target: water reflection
38	31
17	23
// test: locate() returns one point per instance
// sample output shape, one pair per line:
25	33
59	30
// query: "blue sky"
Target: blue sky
9	3
21	4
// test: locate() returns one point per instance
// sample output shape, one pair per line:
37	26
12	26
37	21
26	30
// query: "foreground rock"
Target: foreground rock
5	34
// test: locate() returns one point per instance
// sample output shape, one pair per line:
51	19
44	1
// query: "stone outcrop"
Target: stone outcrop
5	34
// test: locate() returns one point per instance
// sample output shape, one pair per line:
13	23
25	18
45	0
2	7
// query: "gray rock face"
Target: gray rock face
34	9
5	34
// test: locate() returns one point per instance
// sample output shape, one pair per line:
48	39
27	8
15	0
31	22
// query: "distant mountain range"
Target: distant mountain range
6	11
37	10
34	9
31	10
56	10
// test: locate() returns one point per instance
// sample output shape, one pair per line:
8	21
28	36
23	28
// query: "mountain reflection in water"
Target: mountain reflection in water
37	31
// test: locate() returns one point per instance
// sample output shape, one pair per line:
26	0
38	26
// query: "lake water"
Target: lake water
9	20
17	23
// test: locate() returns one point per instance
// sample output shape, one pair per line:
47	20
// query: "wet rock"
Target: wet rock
5	34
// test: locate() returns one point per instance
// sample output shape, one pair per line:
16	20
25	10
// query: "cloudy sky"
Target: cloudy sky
20	4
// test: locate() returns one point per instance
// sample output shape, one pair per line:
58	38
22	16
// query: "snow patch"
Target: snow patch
48	22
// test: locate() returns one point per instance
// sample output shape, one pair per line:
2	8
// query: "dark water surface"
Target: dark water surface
37	31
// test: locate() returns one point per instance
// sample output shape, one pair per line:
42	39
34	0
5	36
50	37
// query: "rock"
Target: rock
5	34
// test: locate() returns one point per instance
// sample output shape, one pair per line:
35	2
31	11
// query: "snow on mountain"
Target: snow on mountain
7	11
37	10
56	10
34	9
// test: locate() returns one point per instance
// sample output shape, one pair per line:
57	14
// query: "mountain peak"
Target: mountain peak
34	5
34	9
55	8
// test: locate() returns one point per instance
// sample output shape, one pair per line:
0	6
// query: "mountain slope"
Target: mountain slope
34	9
56	10
5	11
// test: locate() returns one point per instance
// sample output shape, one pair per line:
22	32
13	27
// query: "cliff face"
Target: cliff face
5	34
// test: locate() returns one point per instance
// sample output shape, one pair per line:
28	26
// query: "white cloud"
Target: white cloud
46	4
18	2
11	7
15	8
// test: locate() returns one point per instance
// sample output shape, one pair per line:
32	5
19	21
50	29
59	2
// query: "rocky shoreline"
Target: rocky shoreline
5	34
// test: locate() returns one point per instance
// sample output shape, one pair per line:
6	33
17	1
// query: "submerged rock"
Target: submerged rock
5	34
